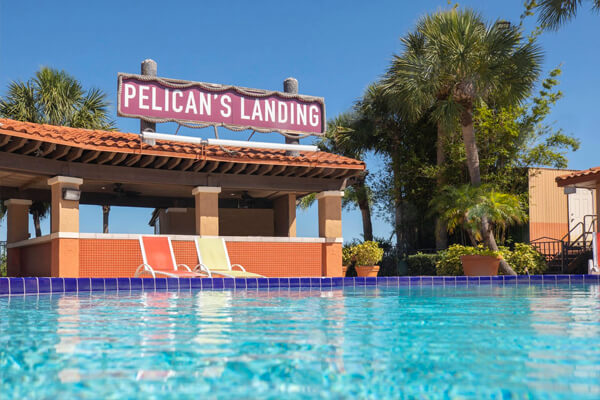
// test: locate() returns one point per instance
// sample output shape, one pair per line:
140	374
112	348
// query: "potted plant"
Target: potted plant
482	262
367	255
347	258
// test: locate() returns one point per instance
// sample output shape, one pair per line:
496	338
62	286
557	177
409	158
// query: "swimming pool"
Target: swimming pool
420	341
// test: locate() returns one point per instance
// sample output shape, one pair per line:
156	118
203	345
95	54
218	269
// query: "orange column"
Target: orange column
330	228
64	222
17	218
207	210
284	209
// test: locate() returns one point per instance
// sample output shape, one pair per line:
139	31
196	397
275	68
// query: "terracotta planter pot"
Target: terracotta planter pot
480	265
367	270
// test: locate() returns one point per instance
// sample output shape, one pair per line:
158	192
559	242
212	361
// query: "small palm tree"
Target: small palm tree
465	206
552	14
54	97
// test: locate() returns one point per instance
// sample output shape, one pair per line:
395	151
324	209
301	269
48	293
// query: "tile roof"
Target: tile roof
590	174
113	141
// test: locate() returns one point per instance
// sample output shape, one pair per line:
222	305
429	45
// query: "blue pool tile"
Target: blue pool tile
498	280
148	284
136	283
326	282
172	283
70	284
4	286
57	285
337	282
438	280
510	279
240	283
404	281
273	282
17	286
461	280
83	284
185	283
43	285
251	283
449	280
473	280
123	284
217	283
414	280
159	283
485	280
359	281
207	283
98	284
262	282
549	279
370	281
523	279
393	281
196	283
426	281
348	281
591	279
576	278
284	283
305	282
315	282
110	283
536	278
31	285
294	282
563	279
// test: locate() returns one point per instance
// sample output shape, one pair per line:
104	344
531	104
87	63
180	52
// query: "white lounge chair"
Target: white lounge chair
214	258
593	263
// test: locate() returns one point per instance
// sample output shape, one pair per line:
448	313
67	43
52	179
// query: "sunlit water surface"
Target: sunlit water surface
422	343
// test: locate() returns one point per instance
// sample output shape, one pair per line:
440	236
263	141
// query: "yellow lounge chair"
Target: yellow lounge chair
213	257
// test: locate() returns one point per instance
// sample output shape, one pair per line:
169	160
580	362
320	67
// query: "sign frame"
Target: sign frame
218	88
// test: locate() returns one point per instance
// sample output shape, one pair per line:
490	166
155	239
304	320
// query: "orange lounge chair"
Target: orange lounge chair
159	259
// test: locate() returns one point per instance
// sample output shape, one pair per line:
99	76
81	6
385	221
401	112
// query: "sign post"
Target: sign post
290	85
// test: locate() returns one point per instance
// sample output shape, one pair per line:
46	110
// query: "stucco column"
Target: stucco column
64	220
207	210
284	210
17	229
330	228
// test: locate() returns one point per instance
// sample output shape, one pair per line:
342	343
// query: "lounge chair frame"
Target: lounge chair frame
145	267
593	263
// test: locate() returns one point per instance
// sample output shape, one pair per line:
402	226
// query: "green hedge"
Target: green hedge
422	264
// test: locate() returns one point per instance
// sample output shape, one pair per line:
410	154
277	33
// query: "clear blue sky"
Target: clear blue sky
334	48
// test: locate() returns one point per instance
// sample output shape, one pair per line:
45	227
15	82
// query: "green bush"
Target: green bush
449	263
3	268
366	253
422	264
525	258
347	255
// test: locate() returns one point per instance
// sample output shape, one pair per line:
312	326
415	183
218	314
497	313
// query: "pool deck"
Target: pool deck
34	286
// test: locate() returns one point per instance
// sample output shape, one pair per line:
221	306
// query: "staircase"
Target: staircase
561	253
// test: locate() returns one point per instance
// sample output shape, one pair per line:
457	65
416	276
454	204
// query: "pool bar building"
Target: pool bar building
247	195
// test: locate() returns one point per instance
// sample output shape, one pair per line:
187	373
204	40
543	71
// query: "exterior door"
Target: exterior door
581	203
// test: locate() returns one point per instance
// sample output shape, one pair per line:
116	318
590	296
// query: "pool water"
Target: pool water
424	343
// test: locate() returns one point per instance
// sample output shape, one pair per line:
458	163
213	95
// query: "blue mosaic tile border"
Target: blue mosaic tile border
22	286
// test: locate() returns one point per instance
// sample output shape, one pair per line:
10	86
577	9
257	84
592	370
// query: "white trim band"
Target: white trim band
206	189
65	179
330	193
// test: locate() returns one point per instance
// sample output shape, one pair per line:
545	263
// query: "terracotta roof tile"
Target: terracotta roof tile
592	173
120	142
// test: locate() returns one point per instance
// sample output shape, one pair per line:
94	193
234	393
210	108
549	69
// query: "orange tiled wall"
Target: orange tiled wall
120	257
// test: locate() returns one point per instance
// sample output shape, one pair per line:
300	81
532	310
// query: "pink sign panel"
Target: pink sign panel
164	100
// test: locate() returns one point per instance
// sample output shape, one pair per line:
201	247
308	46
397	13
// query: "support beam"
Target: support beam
207	210
17	218
284	208
30	147
330	214
16	144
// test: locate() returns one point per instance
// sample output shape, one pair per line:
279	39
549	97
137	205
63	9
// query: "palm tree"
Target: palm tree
54	97
338	139
464	62
465	206
554	13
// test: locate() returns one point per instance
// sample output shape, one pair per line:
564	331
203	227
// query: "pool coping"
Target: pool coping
43	285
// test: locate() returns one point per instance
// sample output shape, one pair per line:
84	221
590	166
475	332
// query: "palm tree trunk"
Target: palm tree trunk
105	214
362	200
366	220
472	154
441	234
36	223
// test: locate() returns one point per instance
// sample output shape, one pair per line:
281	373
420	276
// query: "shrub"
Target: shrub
449	263
368	253
422	264
3	268
525	258
347	255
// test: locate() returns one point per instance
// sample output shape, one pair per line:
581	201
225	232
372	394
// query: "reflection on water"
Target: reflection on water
423	342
